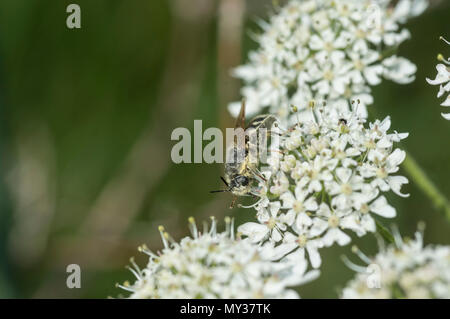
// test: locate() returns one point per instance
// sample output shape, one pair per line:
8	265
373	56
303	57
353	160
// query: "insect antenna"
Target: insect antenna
220	191
224	181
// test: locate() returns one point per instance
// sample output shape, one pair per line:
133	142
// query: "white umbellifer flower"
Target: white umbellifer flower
404	270
326	50
328	178
216	265
443	80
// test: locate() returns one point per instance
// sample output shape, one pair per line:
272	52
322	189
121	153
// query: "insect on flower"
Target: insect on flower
241	165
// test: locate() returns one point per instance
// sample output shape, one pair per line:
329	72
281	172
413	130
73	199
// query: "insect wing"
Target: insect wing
240	120
262	121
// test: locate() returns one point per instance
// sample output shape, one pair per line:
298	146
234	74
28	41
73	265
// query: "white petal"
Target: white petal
288	199
446	102
276	235
282	250
274	208
308	277
382	208
399	69
396	182
441	77
300	193
324	210
319	226
339	84
303	220
273	287
395	159
311	204
372	74
385	124
245	72
289	217
343	174
446	116
335	235
350	222
314	256
316	42
368	223
255	232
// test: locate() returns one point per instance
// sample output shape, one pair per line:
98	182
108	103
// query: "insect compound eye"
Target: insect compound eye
242	180
343	121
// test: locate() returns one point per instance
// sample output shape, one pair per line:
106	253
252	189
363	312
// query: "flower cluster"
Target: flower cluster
216	265
326	50
404	270
328	176
328	171
443	80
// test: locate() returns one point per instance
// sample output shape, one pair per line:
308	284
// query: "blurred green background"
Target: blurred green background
85	122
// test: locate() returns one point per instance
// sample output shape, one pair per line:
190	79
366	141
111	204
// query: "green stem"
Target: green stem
384	232
425	184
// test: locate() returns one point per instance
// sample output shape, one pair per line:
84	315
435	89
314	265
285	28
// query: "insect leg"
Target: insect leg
277	151
233	202
258	174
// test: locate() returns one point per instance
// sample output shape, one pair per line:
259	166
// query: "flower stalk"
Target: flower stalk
425	184
384	232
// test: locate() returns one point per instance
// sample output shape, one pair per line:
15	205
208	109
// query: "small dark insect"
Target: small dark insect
240	175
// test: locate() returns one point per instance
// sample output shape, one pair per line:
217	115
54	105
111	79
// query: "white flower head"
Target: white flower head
405	269
443	80
338	169
216	265
326	50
